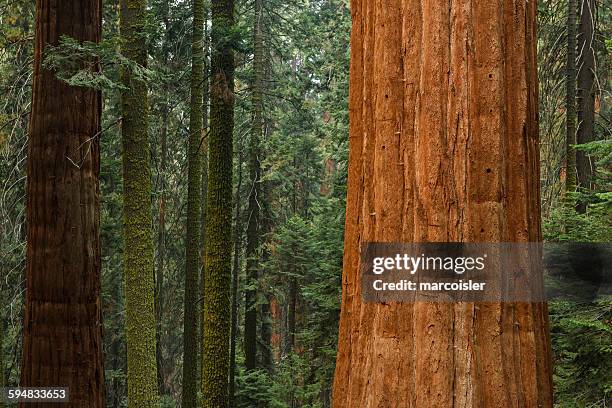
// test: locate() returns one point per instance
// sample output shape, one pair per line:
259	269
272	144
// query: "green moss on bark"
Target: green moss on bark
217	313
138	251
192	256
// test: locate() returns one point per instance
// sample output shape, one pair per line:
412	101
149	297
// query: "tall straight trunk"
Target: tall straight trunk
62	332
570	99
444	148
217	307
204	180
192	256
235	280
253	229
161	234
137	215
586	94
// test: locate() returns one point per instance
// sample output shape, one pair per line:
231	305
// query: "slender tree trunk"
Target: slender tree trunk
62	338
586	95
252	246
266	318
235	278
137	212
161	234
444	148
192	256
204	181
570	99
217	308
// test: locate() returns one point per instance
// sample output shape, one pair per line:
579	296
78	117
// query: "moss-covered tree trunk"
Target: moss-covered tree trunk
217	308
62	332
235	278
586	94
192	241
443	148
137	213
253	228
204	180
570	99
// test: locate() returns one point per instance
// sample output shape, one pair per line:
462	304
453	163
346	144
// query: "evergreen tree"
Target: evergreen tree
570	99
476	179
217	307
586	95
192	242
62	339
253	228
137	213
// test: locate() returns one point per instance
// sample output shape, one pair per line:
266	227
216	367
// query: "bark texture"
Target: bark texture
253	228
62	343
192	255
570	99
586	94
137	213
217	308
444	148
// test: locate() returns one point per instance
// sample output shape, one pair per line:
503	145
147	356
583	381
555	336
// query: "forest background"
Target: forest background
289	308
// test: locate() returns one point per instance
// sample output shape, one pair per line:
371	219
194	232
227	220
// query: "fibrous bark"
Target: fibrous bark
137	213
444	148
62	343
217	307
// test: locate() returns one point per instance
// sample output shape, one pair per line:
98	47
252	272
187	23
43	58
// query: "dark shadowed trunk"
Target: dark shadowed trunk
570	99
586	95
62	343
253	228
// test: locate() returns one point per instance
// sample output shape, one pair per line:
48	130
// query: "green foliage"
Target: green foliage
582	332
582	341
94	65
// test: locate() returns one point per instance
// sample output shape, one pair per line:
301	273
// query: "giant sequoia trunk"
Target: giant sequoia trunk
62	343
444	148
137	213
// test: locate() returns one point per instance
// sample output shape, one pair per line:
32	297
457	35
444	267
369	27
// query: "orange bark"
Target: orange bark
444	148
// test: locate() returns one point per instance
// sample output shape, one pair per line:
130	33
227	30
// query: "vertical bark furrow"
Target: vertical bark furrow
451	151
62	343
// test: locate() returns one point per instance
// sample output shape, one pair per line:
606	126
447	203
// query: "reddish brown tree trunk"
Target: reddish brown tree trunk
62	344
444	148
